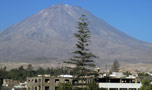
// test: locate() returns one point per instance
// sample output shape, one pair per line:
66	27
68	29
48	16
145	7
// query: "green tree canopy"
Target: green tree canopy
64	86
115	66
146	85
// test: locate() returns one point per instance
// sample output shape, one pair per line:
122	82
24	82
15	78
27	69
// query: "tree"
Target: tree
29	67
40	70
93	86
3	74
115	66
146	85
83	58
29	70
64	86
1	78
127	73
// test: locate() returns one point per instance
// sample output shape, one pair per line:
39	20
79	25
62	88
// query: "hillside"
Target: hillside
47	36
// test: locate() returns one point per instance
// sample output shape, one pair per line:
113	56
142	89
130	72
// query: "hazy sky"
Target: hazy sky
134	17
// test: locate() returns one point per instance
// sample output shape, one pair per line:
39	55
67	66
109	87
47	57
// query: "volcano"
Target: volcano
48	36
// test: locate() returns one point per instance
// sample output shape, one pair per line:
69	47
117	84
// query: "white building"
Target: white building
117	74
120	86
111	83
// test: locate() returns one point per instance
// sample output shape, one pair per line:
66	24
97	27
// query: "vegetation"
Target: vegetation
146	85
64	86
83	58
143	74
115	66
93	86
2	71
22	73
68	86
127	73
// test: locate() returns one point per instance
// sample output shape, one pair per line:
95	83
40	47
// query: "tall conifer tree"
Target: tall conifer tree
83	58
115	66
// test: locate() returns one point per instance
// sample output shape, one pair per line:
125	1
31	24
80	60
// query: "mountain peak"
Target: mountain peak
63	6
49	34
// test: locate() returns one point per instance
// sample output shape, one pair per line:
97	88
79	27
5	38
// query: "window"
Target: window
56	80
32	80
35	80
56	88
47	80
35	88
46	87
75	81
39	80
28	88
66	81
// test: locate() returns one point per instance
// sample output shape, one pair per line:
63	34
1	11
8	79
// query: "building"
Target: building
119	81
114	81
20	86
47	82
149	73
117	75
110	83
8	84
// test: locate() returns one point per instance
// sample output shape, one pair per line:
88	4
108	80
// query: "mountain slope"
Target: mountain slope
48	36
